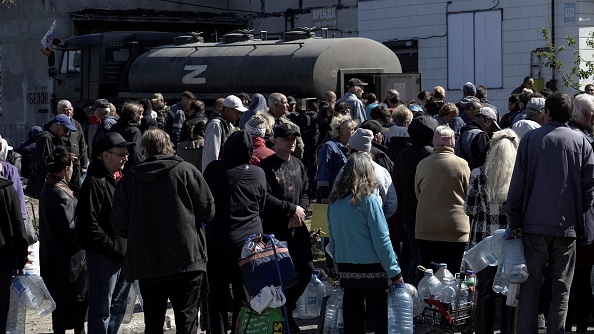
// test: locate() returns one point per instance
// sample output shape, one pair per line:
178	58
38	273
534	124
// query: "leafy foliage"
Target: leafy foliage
577	74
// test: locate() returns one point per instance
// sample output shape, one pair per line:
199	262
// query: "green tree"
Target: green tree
575	77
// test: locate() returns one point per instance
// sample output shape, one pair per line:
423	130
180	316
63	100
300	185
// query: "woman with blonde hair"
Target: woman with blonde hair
485	205
333	154
355	217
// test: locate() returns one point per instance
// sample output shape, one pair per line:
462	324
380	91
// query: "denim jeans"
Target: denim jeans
108	291
556	255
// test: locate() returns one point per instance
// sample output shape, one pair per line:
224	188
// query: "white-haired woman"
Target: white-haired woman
485	205
333	154
355	217
441	182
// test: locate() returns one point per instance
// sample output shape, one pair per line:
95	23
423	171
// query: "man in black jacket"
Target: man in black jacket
108	288
13	243
160	207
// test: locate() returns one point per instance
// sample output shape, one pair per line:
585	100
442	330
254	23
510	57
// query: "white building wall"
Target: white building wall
522	22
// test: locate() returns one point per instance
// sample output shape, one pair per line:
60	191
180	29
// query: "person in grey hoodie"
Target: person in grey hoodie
160	207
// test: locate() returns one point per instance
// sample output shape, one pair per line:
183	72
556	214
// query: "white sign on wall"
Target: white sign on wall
569	13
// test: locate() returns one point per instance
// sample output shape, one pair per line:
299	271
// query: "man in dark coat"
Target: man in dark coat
108	288
13	243
421	131
55	134
77	144
160	207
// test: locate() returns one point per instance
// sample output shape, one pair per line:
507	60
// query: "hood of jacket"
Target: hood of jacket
421	130
4	182
238	149
155	166
258	103
471	126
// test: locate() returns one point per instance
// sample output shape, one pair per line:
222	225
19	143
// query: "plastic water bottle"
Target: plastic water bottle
27	292
513	295
448	292
485	253
17	313
47	304
500	283
130	304
309	308
443	272
429	285
400	311
328	287
514	262
333	318
462	293
470	283
418	302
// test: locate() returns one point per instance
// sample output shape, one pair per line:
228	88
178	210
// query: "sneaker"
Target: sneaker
541	321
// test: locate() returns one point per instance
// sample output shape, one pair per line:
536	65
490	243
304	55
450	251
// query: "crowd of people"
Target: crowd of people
160	199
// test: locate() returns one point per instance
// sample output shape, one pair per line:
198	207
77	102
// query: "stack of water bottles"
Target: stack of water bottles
27	291
507	252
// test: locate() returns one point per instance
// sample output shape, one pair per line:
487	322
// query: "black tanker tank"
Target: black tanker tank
303	67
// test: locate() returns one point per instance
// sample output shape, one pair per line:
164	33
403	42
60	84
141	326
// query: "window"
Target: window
71	62
474	49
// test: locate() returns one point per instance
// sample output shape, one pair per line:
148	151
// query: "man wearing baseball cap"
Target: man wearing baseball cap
473	143
535	117
285	208
352	98
219	128
94	232
58	128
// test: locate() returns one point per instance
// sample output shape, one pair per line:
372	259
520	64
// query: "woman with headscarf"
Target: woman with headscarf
441	182
355	217
485	205
258	104
62	259
239	191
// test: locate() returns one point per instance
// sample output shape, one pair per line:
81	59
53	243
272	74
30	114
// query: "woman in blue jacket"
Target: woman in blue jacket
355	217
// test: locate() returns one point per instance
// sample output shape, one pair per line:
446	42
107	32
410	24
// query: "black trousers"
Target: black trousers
304	271
4	299
485	303
221	273
442	252
183	290
356	304
580	300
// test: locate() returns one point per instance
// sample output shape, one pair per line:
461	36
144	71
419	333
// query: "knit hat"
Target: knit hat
256	126
361	140
439	140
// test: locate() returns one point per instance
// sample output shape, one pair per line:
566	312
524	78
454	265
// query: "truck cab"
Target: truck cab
96	66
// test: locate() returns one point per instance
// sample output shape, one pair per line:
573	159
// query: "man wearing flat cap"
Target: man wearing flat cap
352	98
94	232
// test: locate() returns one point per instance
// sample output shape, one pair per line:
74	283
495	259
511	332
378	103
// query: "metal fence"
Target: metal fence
15	132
